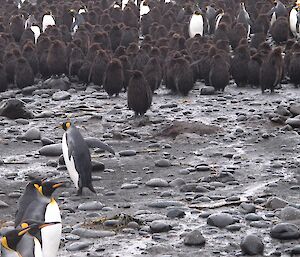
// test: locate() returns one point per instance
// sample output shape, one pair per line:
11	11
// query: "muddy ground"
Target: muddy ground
222	150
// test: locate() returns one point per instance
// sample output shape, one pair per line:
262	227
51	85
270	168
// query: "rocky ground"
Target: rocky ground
204	175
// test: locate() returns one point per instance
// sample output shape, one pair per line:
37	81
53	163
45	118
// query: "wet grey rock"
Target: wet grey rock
260	224
32	134
295	250
111	223
252	245
252	217
61	95
29	90
276	203
90	206
77	246
234	227
47	141
157	182
164	204
62	83
14	109
295	109
177	182
285	231
175	213
220	220
247	208
22	121
159	226
89	233
294	122
202	168
98	166
14	195
194	238
51	150
281	110
163	163
127	153
3	204
71	237
207	91
290	213
129	186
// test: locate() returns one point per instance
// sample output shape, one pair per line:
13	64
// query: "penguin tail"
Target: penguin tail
90	187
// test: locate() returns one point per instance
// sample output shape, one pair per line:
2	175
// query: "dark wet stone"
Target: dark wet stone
220	220
295	109
62	83
14	109
98	166
281	110
252	245
29	90
127	153
234	227
71	237
61	95
89	233
290	213
190	187
177	182
164	204
295	249
276	203
51	150
77	246
247	208
22	121
294	122
252	217
157	182
47	141
14	195
163	163
260	224
3	204
159	227
175	213
90	206
32	134
194	238
285	231
207	91
111	223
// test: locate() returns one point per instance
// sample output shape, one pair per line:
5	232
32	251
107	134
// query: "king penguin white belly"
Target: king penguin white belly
36	31
144	9
293	23
70	162
47	21
37	248
8	253
218	19
273	18
51	235
196	25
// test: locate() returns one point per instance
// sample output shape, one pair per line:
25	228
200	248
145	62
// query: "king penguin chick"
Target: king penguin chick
10	241
196	24
77	157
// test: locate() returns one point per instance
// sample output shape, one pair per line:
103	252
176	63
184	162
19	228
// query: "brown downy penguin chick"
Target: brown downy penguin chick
129	18
103	40
98	68
182	75
140	60
27	35
271	70
85	71
126	70
205	63
219	73
280	30
261	24
121	50
294	66
257	39
115	35
57	59
29	53
128	37
153	73
43	46
254	69
114	78
76	61
139	94
288	52
221	32
9	61
24	76
3	79
239	65
16	27
236	34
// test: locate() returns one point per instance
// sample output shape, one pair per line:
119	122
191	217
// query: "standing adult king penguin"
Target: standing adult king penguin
277	11
196	24
244	18
295	19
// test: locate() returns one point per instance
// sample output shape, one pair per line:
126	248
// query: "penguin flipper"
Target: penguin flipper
70	148
96	143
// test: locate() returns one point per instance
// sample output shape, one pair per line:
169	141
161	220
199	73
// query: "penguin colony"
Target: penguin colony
135	47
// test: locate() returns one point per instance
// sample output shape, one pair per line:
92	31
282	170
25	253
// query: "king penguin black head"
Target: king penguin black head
66	125
49	187
11	239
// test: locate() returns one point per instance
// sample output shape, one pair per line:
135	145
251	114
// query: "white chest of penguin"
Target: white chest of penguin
51	235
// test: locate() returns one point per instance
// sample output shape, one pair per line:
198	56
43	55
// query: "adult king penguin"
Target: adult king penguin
295	20
10	240
244	18
78	158
277	11
144	8
196	24
48	20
